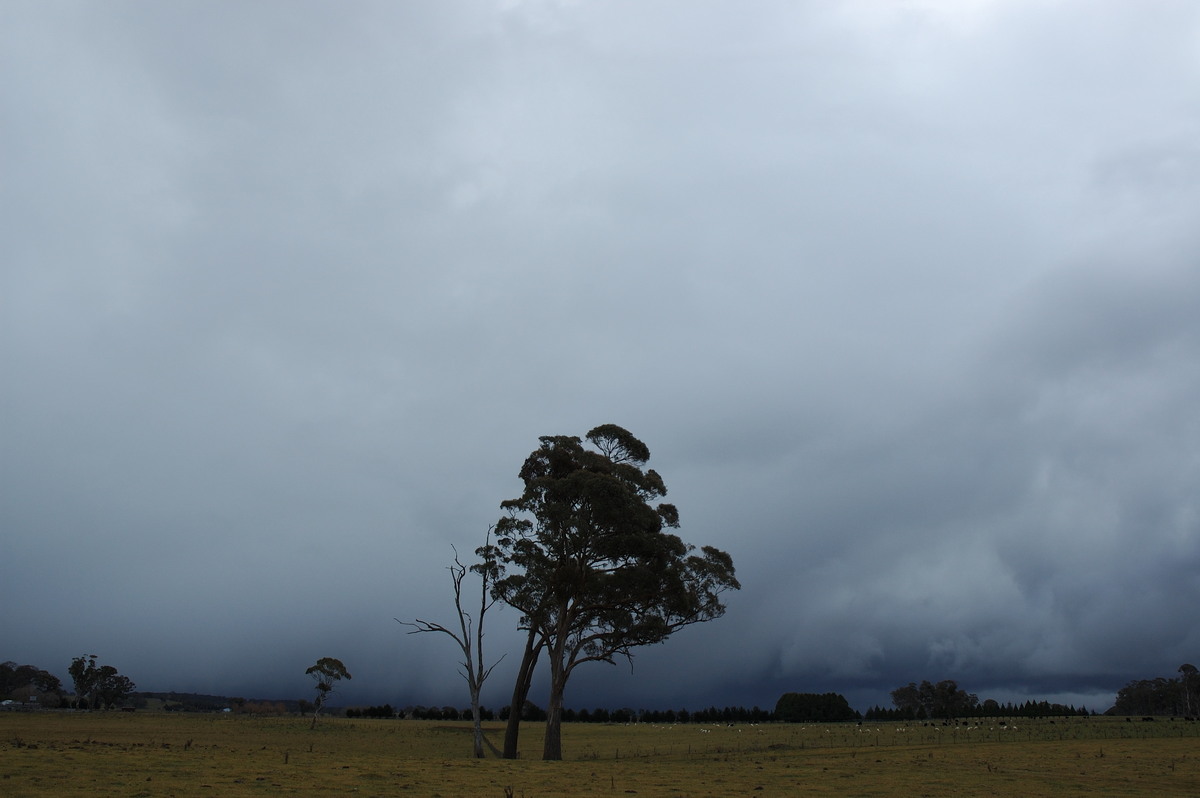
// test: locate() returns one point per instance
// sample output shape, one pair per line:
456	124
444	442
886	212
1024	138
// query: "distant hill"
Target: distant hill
198	702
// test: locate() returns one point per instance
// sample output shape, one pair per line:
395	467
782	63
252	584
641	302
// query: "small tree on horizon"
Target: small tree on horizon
327	672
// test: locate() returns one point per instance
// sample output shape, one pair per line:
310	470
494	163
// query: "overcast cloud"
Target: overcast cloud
901	295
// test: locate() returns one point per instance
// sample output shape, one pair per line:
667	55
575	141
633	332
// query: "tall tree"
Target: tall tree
83	675
326	673
951	702
907	700
1189	676
469	634
98	685
584	555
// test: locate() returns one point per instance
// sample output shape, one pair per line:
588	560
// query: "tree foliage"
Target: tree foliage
813	708
585	556
941	700
14	677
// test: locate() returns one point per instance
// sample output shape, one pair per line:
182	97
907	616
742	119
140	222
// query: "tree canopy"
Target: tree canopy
941	700
13	677
813	708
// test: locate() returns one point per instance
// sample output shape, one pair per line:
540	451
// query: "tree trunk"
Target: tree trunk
533	648
477	722
317	711
552	748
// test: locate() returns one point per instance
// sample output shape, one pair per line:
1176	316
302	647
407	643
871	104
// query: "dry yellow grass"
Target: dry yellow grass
116	754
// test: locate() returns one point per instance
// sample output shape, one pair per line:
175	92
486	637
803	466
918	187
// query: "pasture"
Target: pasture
144	754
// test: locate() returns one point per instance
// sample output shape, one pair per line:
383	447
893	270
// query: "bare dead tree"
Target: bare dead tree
469	634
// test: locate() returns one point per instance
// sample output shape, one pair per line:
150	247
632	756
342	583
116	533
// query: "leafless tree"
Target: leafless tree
469	634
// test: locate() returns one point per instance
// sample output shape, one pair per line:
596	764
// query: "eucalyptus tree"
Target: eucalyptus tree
326	673
585	556
1188	677
469	635
98	685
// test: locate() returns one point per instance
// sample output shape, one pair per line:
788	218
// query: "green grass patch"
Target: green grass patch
144	754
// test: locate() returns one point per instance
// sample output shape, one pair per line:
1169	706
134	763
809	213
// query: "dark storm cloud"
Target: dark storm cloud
899	294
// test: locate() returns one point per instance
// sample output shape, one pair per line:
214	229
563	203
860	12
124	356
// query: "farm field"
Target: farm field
144	754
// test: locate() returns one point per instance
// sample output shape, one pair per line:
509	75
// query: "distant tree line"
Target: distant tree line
791	708
188	702
435	713
987	709
385	711
420	712
1161	696
101	686
946	701
96	686
532	712
200	702
710	715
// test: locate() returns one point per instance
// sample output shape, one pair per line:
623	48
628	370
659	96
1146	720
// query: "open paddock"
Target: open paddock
142	754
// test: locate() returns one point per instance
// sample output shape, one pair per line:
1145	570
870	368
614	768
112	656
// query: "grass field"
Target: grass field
143	754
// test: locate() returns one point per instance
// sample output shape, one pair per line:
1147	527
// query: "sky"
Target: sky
900	295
